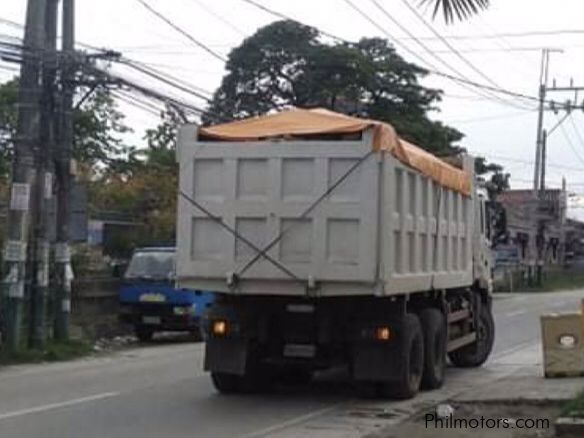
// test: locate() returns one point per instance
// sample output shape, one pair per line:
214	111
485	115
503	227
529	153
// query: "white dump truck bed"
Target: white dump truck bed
333	217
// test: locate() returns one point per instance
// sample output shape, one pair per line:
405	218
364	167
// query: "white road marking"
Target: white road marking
516	313
291	422
516	348
43	408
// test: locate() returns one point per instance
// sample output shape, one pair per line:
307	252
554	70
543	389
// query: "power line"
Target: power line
280	15
571	144
444	40
219	17
363	14
508	34
156	75
524	161
183	32
497	117
287	17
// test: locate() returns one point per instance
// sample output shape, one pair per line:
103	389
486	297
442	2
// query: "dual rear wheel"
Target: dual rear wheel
422	355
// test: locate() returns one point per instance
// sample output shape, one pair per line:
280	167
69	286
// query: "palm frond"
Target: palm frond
460	9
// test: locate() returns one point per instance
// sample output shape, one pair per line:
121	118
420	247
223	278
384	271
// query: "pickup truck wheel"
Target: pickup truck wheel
144	334
477	353
411	356
434	329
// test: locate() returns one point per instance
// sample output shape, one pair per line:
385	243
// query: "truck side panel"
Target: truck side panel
428	233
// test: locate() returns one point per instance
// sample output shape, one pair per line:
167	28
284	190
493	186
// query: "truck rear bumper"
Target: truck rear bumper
314	335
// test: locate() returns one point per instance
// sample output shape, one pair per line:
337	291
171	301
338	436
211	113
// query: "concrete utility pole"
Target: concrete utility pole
43	187
543	79
64	176
23	172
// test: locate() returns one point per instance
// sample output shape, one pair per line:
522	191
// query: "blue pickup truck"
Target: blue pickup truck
149	299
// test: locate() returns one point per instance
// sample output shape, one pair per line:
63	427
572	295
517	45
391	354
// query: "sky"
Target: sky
502	130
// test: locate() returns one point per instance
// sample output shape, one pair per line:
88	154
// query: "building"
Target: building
536	225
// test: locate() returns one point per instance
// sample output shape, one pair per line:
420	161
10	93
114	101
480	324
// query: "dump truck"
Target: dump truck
330	241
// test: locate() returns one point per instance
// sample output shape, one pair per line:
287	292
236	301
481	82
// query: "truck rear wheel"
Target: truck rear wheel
257	378
407	384
226	383
434	329
477	353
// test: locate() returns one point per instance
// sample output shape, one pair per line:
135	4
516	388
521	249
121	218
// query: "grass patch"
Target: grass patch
574	408
552	281
55	351
560	280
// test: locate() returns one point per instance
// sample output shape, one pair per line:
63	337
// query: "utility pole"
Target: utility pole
534	262
23	172
64	176
543	79
43	187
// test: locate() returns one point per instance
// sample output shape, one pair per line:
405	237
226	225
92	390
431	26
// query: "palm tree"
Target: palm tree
460	9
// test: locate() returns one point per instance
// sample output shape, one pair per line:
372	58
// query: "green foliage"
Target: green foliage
574	408
145	187
98	126
8	99
55	351
499	180
285	63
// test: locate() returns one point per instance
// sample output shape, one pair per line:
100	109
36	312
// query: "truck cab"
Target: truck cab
150	300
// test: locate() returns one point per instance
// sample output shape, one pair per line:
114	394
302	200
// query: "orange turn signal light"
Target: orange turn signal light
219	327
383	334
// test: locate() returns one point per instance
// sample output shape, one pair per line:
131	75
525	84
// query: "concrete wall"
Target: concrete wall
95	308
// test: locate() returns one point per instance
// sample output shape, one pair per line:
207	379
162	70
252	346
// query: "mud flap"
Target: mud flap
376	362
226	356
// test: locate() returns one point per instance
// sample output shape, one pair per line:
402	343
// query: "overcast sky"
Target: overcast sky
498	130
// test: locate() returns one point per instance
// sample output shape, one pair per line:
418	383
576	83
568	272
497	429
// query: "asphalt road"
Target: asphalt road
161	391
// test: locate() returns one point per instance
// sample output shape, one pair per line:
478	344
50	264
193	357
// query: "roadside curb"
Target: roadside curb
569	426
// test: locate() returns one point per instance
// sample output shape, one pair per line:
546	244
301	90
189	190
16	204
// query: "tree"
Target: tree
98	126
8	99
498	179
461	9
144	186
286	64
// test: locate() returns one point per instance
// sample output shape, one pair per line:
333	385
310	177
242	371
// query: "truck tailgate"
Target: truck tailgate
261	191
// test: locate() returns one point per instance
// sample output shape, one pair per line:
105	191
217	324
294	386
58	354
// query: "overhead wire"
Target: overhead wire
431	52
219	17
450	46
281	15
571	143
182	31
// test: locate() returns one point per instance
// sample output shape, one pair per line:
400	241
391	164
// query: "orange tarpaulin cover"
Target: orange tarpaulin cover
298	122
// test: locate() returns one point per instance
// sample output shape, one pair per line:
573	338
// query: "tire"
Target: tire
434	330
477	353
144	334
226	383
257	378
294	376
411	355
